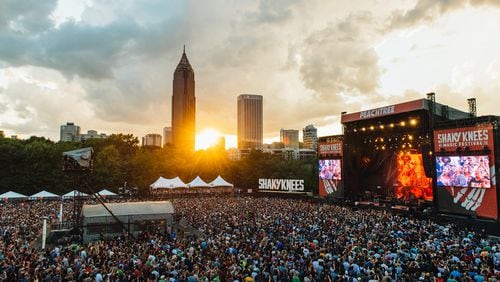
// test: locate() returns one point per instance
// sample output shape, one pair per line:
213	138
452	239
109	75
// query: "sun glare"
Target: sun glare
207	138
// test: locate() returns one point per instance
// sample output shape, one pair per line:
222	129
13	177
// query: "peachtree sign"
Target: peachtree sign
281	185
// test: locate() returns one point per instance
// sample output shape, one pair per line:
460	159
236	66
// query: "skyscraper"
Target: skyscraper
167	135
250	120
289	138
310	137
70	132
183	105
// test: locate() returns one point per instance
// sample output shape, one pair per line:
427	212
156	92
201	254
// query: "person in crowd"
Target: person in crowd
444	179
459	179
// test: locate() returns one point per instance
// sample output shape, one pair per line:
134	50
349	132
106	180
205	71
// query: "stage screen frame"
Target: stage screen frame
330	169
478	165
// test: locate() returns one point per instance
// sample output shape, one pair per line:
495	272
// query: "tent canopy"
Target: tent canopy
12	195
74	193
106	192
168	183
220	182
160	182
44	194
198	182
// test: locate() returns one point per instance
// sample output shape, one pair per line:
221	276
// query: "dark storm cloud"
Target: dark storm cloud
78	48
429	10
119	63
26	16
340	58
83	50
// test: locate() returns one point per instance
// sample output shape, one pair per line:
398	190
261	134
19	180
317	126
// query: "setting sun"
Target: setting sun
207	138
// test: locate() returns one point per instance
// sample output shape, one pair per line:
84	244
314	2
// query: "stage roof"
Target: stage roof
129	209
416	105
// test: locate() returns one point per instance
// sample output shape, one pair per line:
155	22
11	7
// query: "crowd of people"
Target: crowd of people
253	239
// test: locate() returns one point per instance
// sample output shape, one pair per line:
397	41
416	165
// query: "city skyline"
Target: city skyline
108	65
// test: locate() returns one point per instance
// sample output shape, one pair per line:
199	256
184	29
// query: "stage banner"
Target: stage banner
330	178
328	149
281	185
384	111
465	171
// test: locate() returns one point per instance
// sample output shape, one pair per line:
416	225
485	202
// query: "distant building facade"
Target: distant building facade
93	134
310	137
70	132
289	138
167	135
183	106
221	143
152	140
250	121
273	146
293	154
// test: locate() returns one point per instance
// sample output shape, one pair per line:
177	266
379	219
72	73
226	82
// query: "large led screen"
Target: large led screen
330	169
412	181
463	171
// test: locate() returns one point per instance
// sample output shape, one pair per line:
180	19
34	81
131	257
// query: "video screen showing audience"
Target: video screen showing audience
463	171
330	169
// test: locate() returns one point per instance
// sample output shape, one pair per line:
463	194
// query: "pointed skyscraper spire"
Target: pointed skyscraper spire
184	62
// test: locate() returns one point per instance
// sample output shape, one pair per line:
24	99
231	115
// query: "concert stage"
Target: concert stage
388	151
414	154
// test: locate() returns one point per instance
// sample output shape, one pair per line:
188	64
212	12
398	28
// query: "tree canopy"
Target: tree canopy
35	164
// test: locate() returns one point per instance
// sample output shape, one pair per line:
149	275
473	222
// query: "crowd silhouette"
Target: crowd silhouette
253	239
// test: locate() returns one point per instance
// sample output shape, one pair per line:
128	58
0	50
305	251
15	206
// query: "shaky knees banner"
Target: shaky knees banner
326	149
281	185
465	171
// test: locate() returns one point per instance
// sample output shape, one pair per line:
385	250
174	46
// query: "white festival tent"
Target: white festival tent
168	183
161	182
107	193
74	193
44	195
12	195
198	183
220	182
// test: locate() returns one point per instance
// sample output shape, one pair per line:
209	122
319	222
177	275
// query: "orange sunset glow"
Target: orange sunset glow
207	138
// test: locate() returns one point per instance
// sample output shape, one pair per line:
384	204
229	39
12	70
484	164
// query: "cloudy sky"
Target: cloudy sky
108	65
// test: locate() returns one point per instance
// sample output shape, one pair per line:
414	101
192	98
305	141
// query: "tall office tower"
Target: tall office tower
151	140
289	138
70	132
310	137
250	120
183	106
167	135
221	143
